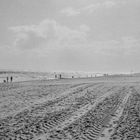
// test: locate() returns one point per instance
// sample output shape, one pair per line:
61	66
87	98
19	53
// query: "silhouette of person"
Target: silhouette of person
11	78
55	76
60	76
7	79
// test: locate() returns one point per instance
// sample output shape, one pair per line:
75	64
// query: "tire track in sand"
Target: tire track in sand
68	130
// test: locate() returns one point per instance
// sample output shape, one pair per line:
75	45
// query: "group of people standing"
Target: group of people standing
8	79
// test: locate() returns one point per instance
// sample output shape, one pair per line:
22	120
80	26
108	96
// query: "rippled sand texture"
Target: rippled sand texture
71	109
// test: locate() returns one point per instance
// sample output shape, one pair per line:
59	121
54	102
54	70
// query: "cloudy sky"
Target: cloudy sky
70	35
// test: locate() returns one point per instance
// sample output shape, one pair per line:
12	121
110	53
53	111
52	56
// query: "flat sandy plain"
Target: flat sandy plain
104	108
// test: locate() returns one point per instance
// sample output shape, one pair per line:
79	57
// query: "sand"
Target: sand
102	108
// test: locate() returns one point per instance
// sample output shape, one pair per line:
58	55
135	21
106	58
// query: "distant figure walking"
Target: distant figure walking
11	79
60	76
55	76
7	79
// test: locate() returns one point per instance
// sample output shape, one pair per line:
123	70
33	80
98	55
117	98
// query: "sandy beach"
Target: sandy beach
104	108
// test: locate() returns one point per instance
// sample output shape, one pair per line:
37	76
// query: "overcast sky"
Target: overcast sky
70	35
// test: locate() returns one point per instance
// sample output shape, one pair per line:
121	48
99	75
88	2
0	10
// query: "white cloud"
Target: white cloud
48	34
62	47
100	5
92	7
119	48
70	11
109	4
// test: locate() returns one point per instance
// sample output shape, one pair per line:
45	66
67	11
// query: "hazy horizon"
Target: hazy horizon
74	35
70	72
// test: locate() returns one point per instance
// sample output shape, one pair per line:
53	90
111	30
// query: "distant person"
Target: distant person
11	79
7	79
55	76
4	81
60	76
